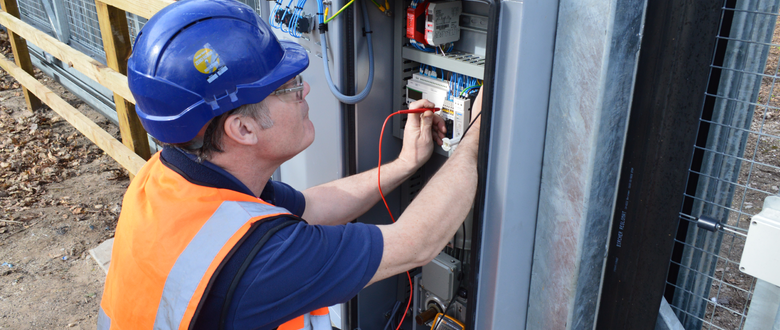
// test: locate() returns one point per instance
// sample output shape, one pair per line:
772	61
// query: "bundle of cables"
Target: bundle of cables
427	49
285	19
274	19
462	86
324	44
296	17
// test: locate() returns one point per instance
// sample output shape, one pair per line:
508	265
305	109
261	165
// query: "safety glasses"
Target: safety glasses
292	91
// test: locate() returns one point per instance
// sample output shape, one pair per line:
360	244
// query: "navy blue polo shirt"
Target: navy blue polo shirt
300	268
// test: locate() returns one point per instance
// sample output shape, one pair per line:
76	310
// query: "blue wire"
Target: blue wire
417	45
272	17
458	86
291	25
452	86
286	11
296	16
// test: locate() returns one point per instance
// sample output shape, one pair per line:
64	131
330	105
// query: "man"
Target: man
205	240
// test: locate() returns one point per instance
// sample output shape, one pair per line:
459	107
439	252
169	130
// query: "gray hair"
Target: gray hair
211	141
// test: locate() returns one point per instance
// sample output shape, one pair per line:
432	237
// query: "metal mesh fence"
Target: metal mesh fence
84	26
83	22
735	165
135	23
33	12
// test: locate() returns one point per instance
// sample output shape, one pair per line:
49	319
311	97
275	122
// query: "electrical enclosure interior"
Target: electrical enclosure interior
438	53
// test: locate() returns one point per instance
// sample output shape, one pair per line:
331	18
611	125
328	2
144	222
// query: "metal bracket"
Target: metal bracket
713	225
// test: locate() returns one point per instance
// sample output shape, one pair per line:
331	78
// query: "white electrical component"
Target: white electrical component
440	277
457	116
431	89
442	22
759	257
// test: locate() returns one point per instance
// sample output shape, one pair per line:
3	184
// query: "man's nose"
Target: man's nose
306	89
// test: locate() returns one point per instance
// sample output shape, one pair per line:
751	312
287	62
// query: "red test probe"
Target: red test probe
379	184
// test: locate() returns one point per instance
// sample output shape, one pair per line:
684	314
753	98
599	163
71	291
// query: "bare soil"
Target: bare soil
60	196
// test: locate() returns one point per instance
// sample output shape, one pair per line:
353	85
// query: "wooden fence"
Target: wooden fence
133	151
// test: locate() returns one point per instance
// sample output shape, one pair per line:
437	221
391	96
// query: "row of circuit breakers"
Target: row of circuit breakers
439	299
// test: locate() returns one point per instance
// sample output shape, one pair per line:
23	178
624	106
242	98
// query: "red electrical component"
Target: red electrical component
415	22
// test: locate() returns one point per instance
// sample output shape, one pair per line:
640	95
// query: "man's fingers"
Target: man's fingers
438	124
421	104
412	120
438	129
427	120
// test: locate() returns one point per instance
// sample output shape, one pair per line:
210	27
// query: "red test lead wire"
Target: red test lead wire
379	184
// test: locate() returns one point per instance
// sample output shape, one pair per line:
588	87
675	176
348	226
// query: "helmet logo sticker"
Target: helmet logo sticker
207	61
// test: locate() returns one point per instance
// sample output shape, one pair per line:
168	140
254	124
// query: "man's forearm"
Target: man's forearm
433	217
343	200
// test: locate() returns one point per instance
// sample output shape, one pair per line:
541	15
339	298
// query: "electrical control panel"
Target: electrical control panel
446	67
451	93
437	53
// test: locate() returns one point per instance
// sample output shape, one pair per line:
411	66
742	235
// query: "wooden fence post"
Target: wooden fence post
117	44
21	53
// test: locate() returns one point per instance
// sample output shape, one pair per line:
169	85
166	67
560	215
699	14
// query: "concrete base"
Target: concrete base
667	320
764	310
102	254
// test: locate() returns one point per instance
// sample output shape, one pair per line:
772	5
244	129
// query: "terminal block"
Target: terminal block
305	24
279	15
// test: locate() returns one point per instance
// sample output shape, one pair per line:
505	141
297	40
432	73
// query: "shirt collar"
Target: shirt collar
202	173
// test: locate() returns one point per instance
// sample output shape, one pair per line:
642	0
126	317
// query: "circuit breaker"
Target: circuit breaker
442	22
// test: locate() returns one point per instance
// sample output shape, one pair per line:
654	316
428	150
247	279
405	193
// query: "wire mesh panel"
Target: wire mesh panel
33	12
135	23
735	165
84	26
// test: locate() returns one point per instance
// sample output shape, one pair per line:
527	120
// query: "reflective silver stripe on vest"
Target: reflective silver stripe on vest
194	261
104	322
320	322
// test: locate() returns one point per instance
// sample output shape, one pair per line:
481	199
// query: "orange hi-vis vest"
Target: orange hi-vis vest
171	238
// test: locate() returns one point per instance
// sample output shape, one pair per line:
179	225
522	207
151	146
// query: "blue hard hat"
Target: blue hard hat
197	59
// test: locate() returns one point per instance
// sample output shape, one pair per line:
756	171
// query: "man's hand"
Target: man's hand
420	131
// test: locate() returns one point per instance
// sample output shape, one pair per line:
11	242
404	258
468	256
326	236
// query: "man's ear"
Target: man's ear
242	129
